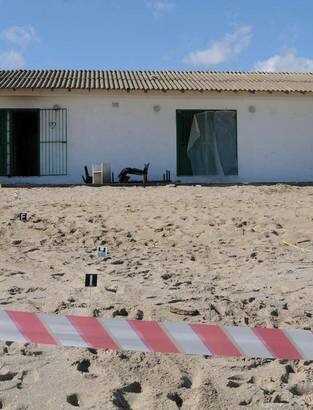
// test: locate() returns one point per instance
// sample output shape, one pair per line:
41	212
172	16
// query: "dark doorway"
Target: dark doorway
25	154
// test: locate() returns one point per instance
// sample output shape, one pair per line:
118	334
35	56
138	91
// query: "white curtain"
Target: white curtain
212	145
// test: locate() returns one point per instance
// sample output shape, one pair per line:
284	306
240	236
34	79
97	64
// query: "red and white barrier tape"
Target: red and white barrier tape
146	336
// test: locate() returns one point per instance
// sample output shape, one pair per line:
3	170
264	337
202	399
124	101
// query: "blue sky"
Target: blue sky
270	35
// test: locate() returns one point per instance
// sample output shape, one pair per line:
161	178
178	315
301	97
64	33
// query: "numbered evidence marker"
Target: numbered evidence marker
91	280
102	251
23	216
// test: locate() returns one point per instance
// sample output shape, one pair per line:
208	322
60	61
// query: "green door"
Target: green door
3	142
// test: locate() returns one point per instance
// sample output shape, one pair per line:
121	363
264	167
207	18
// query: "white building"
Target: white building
202	126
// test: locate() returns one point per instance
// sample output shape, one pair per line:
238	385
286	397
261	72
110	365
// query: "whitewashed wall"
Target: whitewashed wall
274	144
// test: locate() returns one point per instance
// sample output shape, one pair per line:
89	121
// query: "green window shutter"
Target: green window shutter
183	123
3	142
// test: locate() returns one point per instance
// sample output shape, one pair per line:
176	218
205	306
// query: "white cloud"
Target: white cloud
11	60
160	7
19	35
223	50
288	61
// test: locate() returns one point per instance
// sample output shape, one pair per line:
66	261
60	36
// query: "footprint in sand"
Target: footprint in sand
83	365
7	376
57	276
119	398
27	351
207	395
176	398
185	382
73	399
235	381
27	378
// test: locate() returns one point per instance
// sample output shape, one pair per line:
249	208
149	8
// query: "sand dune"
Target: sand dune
237	255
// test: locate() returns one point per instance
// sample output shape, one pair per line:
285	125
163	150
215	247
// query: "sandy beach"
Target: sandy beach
235	255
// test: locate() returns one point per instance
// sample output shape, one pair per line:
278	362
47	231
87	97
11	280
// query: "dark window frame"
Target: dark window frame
61	163
179	111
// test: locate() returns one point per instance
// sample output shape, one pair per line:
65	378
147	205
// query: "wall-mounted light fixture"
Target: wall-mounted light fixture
115	104
252	109
157	108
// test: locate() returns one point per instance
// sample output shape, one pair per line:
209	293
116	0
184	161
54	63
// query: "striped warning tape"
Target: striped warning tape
148	336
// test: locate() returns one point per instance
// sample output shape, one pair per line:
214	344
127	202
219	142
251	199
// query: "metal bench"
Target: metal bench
124	174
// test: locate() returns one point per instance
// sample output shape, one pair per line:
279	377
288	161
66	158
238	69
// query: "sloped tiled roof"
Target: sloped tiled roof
156	80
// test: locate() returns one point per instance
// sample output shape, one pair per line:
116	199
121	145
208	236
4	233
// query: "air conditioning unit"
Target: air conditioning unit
101	173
